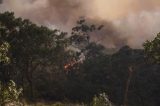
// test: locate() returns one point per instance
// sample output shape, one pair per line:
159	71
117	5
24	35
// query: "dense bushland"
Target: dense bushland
52	65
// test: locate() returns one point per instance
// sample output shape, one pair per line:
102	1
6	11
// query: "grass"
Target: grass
54	104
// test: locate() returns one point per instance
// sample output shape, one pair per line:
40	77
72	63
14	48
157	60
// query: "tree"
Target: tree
4	47
9	94
8	90
32	48
152	49
35	58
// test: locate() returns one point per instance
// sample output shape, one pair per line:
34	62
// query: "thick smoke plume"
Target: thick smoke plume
127	22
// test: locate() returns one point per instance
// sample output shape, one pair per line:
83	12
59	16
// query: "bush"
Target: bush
9	94
101	100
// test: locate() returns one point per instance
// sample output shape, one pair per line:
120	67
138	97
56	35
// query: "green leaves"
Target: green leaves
152	49
101	100
4	47
9	92
80	35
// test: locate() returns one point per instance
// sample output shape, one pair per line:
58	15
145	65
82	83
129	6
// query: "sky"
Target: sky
126	22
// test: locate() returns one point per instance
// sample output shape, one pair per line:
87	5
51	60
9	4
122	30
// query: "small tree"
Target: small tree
152	49
9	93
101	100
4	47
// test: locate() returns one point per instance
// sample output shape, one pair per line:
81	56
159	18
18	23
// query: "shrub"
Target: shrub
9	93
101	100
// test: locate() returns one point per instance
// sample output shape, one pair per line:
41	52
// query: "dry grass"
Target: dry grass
55	104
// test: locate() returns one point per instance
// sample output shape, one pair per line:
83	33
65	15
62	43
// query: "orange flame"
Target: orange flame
69	65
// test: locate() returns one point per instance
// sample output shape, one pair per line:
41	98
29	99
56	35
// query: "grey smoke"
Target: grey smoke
127	22
1	1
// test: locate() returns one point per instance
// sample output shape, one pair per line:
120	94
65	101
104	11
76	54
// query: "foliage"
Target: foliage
4	47
37	56
32	48
152	49
9	93
101	100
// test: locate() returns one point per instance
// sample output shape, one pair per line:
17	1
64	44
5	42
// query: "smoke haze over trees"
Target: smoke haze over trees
130	20
38	58
71	51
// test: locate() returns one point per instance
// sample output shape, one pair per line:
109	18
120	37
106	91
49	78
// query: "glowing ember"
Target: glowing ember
69	65
72	63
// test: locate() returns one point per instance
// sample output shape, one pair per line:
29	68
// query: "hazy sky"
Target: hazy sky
127	22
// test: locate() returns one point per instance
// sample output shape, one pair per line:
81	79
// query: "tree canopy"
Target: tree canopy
53	65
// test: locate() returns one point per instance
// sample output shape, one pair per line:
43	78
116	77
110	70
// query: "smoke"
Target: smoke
127	22
115	9
135	20
47	12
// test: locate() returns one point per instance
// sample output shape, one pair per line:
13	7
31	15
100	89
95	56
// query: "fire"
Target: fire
69	65
72	63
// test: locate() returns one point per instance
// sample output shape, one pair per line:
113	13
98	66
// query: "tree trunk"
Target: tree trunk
125	103
29	79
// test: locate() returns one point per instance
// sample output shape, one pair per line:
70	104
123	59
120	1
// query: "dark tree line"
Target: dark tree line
38	55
